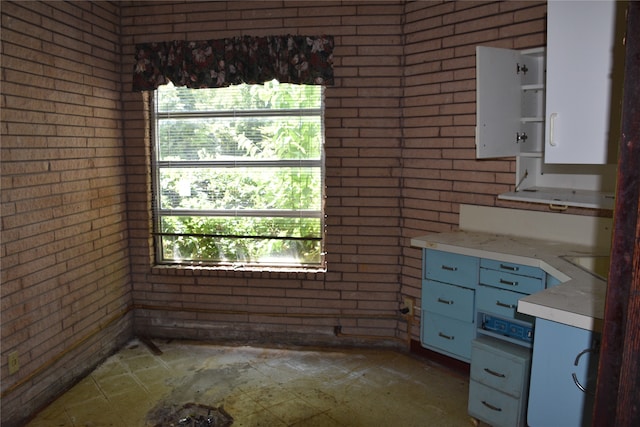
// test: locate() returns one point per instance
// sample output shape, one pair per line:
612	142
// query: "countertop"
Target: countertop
578	301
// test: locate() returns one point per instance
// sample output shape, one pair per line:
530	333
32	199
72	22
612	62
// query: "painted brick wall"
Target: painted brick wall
65	266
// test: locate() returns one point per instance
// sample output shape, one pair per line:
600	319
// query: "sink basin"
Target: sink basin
596	264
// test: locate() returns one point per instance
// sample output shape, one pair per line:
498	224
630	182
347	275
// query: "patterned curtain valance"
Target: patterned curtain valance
230	61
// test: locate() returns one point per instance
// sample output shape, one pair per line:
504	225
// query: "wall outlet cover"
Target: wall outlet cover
14	363
408	303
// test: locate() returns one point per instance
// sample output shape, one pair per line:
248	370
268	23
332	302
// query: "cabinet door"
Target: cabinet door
498	92
580	37
555	397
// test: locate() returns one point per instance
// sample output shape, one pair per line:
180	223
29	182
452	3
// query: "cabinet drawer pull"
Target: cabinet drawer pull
445	301
576	381
490	406
448	268
494	373
448	337
508	282
508	267
502	304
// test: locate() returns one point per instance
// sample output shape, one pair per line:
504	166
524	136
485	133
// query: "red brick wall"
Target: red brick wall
65	264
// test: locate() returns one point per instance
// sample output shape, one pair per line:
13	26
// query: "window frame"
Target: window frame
156	190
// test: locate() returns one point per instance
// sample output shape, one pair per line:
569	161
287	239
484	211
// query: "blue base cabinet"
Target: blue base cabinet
469	312
563	375
465	296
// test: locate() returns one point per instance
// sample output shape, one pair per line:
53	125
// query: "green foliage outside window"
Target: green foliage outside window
239	174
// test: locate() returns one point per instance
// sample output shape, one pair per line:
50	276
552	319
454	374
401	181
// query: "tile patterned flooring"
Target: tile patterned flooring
258	386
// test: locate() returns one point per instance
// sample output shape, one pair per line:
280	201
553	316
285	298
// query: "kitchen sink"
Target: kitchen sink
595	264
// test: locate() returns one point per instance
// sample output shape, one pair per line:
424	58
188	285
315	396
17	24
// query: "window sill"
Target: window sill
230	270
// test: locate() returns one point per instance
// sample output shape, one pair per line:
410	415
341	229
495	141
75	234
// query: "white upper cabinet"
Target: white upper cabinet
582	125
557	109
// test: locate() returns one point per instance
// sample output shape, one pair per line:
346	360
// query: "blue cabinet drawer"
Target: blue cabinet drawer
498	301
513	282
495	408
509	267
451	268
448	300
500	365
448	335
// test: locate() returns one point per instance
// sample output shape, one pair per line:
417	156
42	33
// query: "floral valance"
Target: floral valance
230	61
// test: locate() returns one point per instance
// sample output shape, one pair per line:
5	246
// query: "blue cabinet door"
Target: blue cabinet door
565	359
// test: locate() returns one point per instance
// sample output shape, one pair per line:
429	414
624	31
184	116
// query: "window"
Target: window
238	175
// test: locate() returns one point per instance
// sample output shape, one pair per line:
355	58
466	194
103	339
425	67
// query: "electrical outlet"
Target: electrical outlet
14	363
408	303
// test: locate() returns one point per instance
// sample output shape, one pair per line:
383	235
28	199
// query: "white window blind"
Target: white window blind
238	175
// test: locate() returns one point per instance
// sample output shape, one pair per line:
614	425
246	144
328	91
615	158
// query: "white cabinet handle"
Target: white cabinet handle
552	129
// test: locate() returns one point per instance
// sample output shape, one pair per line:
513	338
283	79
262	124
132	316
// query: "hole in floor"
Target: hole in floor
191	415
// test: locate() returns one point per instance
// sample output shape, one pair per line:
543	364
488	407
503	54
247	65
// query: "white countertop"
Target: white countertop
578	301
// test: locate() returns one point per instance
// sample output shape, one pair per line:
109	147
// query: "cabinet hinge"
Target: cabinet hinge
521	68
521	137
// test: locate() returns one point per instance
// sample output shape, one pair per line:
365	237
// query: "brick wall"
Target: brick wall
75	176
440	170
400	159
65	268
360	290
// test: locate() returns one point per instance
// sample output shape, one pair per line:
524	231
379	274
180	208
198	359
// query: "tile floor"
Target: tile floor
269	387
